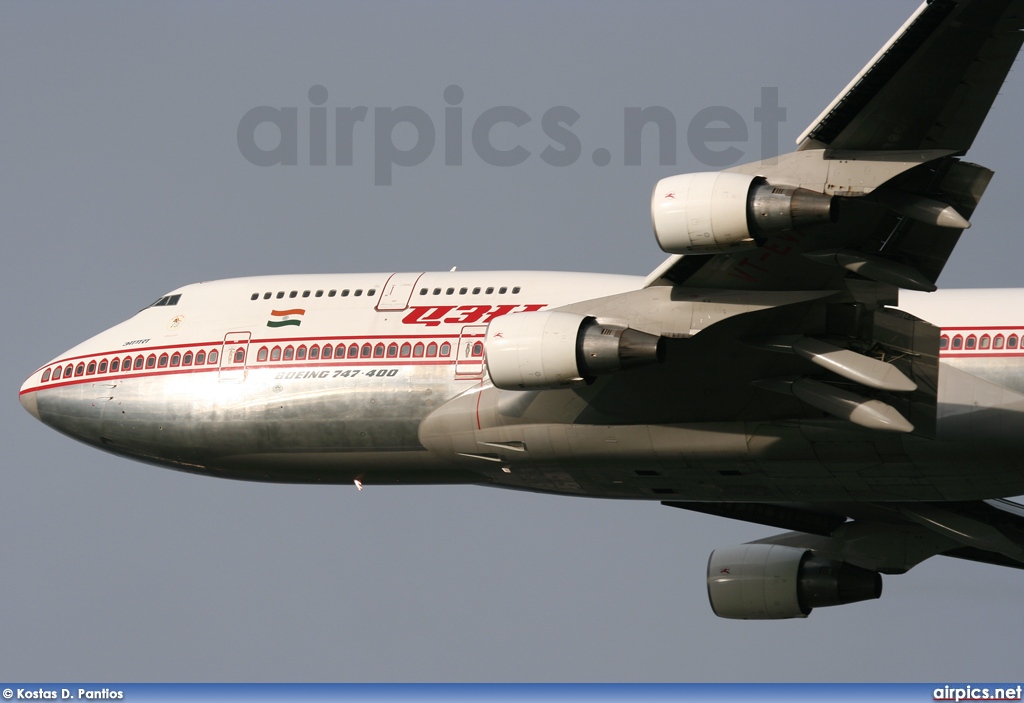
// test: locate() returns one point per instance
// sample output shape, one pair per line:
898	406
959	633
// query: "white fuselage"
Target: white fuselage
381	378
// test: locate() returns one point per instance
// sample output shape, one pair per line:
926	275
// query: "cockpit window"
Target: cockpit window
167	300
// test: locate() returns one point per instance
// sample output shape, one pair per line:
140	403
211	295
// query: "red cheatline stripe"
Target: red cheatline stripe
294	311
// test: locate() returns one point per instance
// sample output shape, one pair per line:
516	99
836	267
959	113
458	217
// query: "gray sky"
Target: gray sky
121	178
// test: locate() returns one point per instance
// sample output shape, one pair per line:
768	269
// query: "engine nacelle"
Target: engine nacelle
706	213
545	350
772	582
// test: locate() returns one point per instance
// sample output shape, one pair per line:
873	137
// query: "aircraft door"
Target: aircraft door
469	353
397	291
234	356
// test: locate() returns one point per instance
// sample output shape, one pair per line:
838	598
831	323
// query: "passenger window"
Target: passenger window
367	350
319	294
280	294
327	351
353	351
339	351
986	342
293	294
262	354
103	366
254	296
305	293
239	355
1011	342
126	365
432	349
212	358
463	291
371	291
958	342
332	293
344	293
46	375
289	353
187	359
91	368
423	291
115	364
175	359
163	361
139	361
515	291
450	291
378	351
478	349
200	357
476	291
972	342
275	354
418	349
489	291
300	353
359	291
943	342
446	349
56	373
406	350
437	291
502	290
392	350
998	342
314	352
266	296
151	361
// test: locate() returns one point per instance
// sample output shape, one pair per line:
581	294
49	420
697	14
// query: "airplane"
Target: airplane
791	363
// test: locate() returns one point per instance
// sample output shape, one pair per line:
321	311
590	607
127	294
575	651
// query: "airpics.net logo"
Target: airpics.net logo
715	136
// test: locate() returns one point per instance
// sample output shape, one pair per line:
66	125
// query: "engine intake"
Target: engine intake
706	213
772	582
545	350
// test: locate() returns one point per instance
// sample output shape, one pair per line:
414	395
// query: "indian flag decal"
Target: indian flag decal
283	318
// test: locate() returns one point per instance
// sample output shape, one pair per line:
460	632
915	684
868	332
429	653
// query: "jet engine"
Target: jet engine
545	350
772	582
707	213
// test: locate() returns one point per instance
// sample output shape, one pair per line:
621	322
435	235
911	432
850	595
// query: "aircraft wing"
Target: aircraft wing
988	531
930	86
887	148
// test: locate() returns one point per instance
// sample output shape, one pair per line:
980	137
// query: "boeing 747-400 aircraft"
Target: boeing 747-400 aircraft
790	364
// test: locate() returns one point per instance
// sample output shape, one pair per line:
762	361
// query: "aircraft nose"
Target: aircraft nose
28	398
